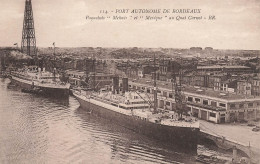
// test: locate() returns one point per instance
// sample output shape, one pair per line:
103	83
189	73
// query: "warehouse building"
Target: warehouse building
204	103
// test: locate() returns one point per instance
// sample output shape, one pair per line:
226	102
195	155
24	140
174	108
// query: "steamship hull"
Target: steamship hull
183	139
42	89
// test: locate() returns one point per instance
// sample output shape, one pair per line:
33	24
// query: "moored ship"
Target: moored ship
33	79
132	110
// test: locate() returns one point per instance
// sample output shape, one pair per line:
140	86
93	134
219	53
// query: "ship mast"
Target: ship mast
94	71
177	80
155	87
54	69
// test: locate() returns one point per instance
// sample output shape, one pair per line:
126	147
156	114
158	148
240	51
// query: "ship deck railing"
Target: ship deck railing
172	122
56	85
213	108
104	99
166	119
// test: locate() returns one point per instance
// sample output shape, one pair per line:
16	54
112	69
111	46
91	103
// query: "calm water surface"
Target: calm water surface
36	129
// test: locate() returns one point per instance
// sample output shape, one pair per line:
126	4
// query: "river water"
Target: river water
36	129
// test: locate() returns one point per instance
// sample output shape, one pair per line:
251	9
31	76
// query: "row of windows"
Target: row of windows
140	102
223	85
170	95
221	104
212	114
205	102
141	118
141	107
256	83
78	76
232	106
148	90
99	78
46	77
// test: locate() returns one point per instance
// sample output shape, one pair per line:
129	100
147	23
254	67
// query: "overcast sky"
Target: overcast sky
237	24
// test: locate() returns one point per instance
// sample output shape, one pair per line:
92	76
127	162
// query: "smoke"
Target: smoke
18	55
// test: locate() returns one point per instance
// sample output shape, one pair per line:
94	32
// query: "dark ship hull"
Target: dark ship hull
184	139
29	87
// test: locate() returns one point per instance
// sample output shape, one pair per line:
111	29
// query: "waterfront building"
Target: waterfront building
204	103
76	78
79	78
99	80
71	64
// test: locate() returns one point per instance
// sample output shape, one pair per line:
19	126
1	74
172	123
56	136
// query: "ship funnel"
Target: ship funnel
125	85
115	85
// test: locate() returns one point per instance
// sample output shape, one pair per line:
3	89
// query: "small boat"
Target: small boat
251	125
210	159
10	85
89	112
256	129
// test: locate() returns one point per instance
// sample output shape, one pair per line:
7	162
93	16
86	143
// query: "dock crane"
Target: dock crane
180	104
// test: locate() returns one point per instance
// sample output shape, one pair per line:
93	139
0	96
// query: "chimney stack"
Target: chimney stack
115	85
125	85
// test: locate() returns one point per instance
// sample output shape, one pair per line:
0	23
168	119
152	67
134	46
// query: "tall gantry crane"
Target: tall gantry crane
28	44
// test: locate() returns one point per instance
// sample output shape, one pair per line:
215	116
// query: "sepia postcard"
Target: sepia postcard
132	81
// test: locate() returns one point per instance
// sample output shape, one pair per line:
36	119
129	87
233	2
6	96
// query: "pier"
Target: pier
228	136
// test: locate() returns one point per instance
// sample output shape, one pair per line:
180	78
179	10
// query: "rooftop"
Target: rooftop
75	72
222	67
196	90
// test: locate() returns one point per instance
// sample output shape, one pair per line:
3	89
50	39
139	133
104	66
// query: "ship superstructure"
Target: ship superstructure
133	104
34	79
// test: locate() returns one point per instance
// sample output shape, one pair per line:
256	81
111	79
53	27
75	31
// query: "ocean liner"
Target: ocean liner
132	110
33	79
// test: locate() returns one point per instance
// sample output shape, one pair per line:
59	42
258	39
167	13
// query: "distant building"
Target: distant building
196	49
132	72
76	78
80	64
244	87
149	69
70	65
140	73
255	86
225	84
202	80
208	49
99	80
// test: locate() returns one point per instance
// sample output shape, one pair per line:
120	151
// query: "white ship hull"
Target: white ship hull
56	90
